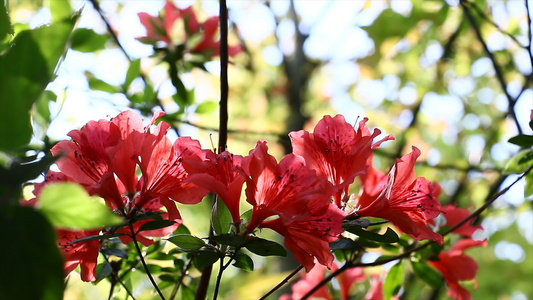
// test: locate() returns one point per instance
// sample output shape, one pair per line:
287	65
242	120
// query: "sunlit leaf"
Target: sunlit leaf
428	274
60	10
26	68
393	281
66	205
520	162
100	85
206	107
134	71
86	40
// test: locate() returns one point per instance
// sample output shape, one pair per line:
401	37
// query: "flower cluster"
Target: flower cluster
180	27
305	197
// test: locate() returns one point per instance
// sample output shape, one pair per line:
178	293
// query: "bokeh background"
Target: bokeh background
453	78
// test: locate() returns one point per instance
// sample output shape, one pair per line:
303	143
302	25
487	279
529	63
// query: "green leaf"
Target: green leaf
98	237
156	225
522	140
207	107
221	217
243	261
115	252
428	274
102	271
229	239
388	237
346	224
344	244
187	241
204	259
86	40
68	205
393	282
187	293
30	256
100	85
520	162
5	23
26	68
60	10
133	72
264	247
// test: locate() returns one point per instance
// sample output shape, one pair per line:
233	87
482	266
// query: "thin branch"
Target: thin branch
224	86
180	279
133	236
421	246
117	278
499	75
282	283
484	17
530	37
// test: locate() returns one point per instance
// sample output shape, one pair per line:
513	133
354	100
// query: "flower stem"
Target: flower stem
133	236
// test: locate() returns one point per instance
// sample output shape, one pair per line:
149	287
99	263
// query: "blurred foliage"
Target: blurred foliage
453	78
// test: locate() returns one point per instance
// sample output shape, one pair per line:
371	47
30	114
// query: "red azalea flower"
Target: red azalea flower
456	266
376	288
162	29
286	188
84	254
347	279
308	236
337	151
406	200
219	173
105	156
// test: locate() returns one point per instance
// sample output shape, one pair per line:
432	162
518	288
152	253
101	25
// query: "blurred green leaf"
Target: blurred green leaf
60	10
86	40
67	204
264	247
187	241
520	162
5	23
26	68
244	262
31	257
428	274
134	71
207	107
115	252
100	85
393	281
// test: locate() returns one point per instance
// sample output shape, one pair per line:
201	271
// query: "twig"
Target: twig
497	70
133	236
180	279
224	86
283	282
